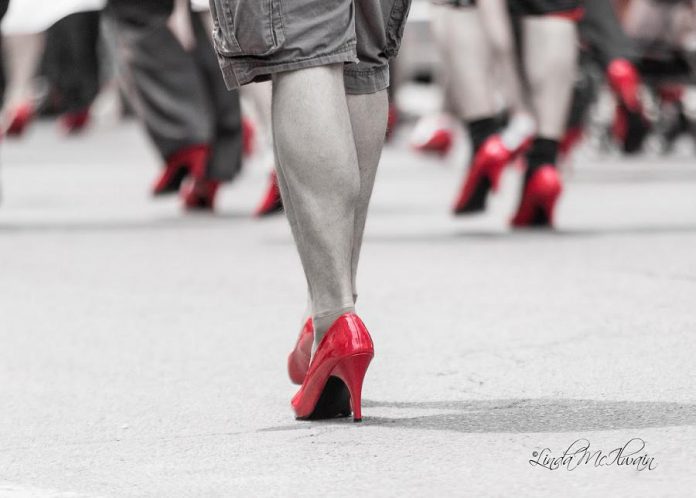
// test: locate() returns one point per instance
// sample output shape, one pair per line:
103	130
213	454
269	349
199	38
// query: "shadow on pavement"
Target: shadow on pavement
538	415
523	416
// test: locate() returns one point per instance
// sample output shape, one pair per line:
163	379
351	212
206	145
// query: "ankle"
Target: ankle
323	321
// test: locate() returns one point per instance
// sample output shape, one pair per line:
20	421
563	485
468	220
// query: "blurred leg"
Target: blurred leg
462	40
550	60
22	55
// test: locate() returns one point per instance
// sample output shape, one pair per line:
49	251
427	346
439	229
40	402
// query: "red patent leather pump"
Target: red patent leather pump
298	359
187	161
536	208
333	384
484	174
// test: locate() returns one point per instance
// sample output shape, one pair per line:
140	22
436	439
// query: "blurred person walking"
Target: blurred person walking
478	39
329	63
24	35
170	72
605	43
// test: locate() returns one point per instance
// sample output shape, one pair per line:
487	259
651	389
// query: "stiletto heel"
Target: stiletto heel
484	175
189	161
352	371
539	199
334	380
21	116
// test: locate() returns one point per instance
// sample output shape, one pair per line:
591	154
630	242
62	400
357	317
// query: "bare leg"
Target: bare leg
179	23
497	25
462	41
368	116
23	53
316	154
550	53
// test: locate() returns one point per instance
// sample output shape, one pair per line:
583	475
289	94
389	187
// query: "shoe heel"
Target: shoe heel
351	371
547	202
494	177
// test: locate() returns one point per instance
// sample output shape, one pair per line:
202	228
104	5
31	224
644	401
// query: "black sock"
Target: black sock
481	129
542	152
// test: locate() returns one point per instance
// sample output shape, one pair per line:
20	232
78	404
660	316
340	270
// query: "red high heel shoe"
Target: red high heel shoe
199	194
271	202
484	175
624	80
336	373
433	134
298	359
74	122
21	117
187	161
630	126
629	129
539	199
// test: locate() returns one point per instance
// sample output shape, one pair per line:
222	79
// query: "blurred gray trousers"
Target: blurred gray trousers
180	96
603	33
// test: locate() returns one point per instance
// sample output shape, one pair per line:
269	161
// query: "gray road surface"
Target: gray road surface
142	351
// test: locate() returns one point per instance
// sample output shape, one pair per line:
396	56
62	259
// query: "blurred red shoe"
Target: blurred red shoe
21	116
74	122
199	195
624	81
433	134
629	129
248	136
483	175
271	202
630	126
187	161
539	198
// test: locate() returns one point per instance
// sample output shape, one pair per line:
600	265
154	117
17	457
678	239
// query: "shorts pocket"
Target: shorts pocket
247	27
395	26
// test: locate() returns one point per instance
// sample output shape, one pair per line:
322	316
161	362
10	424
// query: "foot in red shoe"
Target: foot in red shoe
539	198
333	384
483	175
187	161
199	195
629	128
299	357
74	122
271	202
433	134
21	116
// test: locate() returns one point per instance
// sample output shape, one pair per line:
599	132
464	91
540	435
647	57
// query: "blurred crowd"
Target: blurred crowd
524	89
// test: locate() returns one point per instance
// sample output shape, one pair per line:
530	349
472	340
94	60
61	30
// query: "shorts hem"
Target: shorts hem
238	71
364	81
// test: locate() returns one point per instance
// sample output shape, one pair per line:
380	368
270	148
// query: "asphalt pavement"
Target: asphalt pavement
142	350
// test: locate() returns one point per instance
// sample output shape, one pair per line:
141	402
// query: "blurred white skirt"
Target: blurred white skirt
35	16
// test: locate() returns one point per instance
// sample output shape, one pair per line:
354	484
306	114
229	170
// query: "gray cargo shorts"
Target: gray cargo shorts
256	38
